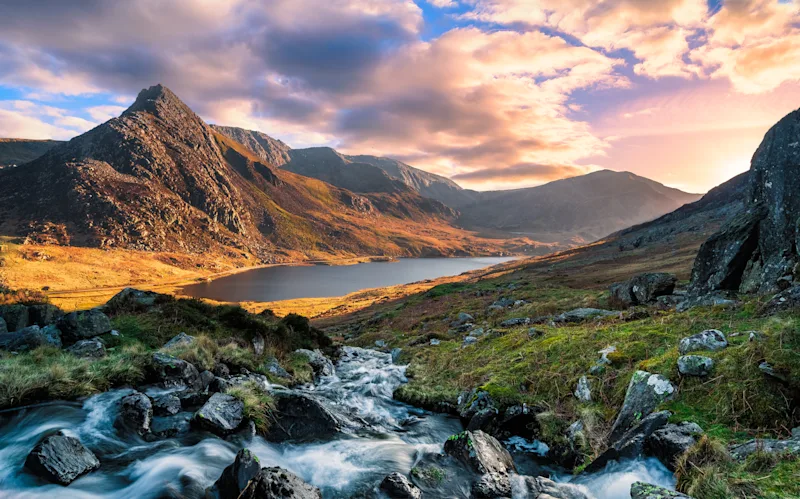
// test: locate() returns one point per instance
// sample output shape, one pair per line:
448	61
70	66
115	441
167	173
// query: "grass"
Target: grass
258	405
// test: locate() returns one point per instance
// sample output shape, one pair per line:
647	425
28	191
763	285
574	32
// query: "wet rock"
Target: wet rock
461	319
621	295
583	391
93	348
191	399
179	340
643	288
15	316
470	403
583	314
221	414
519	321
219	385
645	392
131	300
274	368
277	483
172	372
166	405
301	417
258	344
768	445
380	343
632	444
396	355
206	377
135	414
695	365
398	486
544	488
169	426
321	364
236	476
710	339
483	420
491	485
43	314
671	441
86	324
61	459
484	455
29	338
641	490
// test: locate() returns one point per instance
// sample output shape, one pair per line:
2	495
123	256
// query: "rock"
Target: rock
758	248
15	316
191	399
484	455
583	391
301	417
710	339
470	403
641	490
768	445
712	300
668	302
222	414
221	370
166	405
277	483
502	303
179	340
321	364
77	326
131	300
544	488
380	343
770	371
643	288
274	368
519	321
169	426
461	319
206	377
533	332
482	420
172	372
621	295
671	441
396	355
93	348
43	314
695	365
469	340
135	414
236	476
632	444
61	459
30	338
397	486
435	342
583	314
519	303
219	385
258	344
3	326
645	392
785	300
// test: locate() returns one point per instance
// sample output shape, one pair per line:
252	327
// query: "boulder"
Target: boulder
632	444
321	364
277	483
469	340
645	392
131	300
769	445
492	485
29	338
166	405
222	414
641	490
583	391
221	370
669	442
179	340
398	486
470	403
484	455
622	295
502	303
710	339
61	459
709	300
583	314
93	348
135	414
206	378
172	372
169	426
191	399
16	316
519	321
274	368
301	417
236	476
219	385
82	325
544	488
643	288
785	300
258	344
461	319
43	314
695	365
396	355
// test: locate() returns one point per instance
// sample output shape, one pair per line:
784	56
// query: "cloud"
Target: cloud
28	120
443	4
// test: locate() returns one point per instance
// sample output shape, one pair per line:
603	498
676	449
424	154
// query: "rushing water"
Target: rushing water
287	282
398	437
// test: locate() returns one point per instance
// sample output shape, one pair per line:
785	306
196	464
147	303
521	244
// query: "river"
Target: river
286	282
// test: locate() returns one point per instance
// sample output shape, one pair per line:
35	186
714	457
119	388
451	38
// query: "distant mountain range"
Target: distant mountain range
159	178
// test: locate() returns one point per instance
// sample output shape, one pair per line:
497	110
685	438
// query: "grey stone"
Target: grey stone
321	364
131	300
301	417
43	314
470	403
584	314
236	476
398	486
274	368
277	483
770	371
16	316
671	441
484	455
258	345
519	321
461	319
169	426
435	342
470	340
396	355
179	340
632	444
380	343
30	338
93	348
502	303
166	405
710	339
82	325
643	289
544	488
172	372
583	391
641	490
222	414
135	414
61	459
695	365
645	392
769	445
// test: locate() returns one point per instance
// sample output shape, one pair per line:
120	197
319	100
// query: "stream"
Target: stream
398	437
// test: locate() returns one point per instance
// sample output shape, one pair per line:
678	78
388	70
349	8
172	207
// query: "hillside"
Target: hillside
158	178
18	151
574	210
267	149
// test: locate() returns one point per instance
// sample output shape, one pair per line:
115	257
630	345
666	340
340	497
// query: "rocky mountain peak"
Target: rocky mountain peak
156	100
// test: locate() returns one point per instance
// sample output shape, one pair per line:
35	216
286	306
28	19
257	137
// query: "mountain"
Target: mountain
574	210
158	178
362	173
17	151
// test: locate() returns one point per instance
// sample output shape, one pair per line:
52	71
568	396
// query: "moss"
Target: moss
431	475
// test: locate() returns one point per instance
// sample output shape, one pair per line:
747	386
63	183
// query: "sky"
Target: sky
494	94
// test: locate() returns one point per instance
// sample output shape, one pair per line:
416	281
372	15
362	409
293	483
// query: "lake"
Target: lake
287	282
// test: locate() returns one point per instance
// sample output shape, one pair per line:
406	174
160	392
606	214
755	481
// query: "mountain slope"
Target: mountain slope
578	209
158	178
269	150
18	151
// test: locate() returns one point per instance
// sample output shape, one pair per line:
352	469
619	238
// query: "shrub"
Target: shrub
257	404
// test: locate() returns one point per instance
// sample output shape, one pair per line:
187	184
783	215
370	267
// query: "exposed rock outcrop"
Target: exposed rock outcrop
321	364
642	289
29	338
632	444
710	339
484	455
236	476
398	486
93	348
301	417
645	392
544	488
672	440
695	365
83	325
221	414
61	459
170	372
